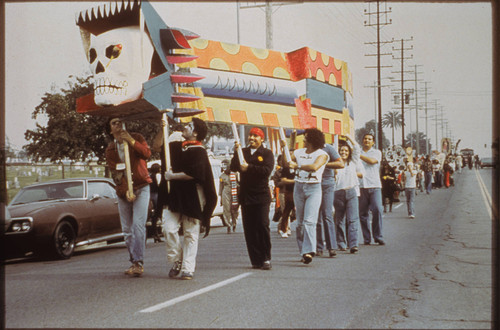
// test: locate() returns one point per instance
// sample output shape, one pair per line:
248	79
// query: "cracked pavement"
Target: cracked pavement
453	288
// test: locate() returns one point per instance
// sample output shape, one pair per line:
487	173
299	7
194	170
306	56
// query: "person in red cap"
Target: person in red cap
255	197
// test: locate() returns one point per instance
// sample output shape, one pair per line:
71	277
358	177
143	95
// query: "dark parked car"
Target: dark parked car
488	162
55	217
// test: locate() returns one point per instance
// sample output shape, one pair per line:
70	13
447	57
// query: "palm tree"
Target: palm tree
393	120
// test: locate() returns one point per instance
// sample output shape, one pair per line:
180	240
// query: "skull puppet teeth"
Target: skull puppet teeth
104	86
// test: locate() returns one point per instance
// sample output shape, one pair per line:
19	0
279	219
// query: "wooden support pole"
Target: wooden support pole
286	150
238	150
128	170
166	145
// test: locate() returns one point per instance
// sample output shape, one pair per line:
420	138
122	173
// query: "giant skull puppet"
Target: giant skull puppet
120	61
128	46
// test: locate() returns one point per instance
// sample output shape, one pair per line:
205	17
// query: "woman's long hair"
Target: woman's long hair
345	144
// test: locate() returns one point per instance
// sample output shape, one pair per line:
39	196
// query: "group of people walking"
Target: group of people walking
422	173
331	193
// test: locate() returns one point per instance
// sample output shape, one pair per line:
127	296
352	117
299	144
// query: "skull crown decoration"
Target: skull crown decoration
130	51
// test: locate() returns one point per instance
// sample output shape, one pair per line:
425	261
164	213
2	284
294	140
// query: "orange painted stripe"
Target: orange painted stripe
270	119
210	114
238	116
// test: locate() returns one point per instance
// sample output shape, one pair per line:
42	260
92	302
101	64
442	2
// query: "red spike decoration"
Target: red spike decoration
184	77
180	58
176	38
184	97
187	112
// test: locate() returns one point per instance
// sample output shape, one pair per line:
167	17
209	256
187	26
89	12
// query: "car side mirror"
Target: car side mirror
95	197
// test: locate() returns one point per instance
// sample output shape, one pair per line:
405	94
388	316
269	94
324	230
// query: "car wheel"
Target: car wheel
64	240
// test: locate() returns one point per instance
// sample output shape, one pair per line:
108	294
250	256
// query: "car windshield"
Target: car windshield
38	193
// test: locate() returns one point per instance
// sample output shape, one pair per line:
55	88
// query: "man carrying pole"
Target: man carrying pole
190	198
129	152
255	197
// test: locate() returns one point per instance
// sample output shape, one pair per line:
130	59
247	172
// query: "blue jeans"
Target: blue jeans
325	220
371	199
346	209
307	199
428	182
133	216
410	200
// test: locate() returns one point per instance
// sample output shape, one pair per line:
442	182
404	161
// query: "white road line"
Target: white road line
397	206
486	195
174	301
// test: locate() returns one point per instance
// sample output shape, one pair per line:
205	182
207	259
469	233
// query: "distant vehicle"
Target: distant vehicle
55	217
488	162
467	152
465	155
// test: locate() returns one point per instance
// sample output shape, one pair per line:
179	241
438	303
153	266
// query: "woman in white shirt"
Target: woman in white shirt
309	163
346	195
410	180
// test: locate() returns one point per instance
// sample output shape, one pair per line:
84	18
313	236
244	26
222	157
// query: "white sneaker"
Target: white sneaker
284	235
280	232
412	216
289	232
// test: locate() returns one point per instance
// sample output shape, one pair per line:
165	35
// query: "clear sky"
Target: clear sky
452	48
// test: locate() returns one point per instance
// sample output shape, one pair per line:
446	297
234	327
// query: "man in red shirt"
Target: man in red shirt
133	207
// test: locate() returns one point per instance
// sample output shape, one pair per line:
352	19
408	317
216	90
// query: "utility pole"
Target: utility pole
378	24
417	138
436	118
376	114
374	86
238	21
403	58
269	25
437	141
268	8
426	131
442	123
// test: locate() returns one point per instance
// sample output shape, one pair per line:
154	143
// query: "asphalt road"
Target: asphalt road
434	272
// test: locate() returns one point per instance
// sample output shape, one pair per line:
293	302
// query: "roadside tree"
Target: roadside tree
412	138
370	127
392	119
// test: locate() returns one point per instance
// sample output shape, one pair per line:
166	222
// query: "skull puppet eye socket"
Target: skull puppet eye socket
92	55
113	51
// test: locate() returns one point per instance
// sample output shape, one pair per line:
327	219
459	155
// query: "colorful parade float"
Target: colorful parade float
144	69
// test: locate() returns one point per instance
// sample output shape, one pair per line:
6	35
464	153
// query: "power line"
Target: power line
339	17
378	23
268	5
403	96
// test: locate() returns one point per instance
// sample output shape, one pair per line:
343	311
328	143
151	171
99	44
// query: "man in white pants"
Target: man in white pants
190	201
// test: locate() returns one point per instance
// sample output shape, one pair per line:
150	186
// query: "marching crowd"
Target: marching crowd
330	193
